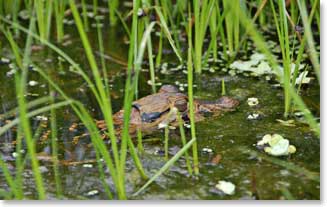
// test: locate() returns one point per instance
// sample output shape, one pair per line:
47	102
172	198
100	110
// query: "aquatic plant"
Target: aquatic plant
209	26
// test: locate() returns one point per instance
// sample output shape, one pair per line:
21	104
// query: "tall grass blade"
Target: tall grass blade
166	166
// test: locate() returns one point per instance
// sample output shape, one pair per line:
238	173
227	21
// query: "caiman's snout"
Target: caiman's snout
226	102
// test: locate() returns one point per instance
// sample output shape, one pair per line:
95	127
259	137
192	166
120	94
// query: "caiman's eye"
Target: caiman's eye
150	117
181	105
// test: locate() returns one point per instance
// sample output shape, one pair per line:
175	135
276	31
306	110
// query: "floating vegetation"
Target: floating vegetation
253	101
276	145
4	60
226	187
73	72
87	165
33	83
92	193
207	150
253	116
289	123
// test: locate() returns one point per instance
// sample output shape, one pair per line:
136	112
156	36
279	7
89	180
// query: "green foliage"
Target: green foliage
227	22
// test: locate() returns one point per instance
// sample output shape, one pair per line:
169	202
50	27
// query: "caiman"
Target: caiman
160	109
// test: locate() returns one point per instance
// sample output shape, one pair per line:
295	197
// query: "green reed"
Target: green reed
166	31
223	88
104	102
167	9
123	22
14	188
59	13
306	21
315	10
159	54
20	81
183	138
54	147
213	26
190	98
19	163
85	117
166	141
85	17
201	21
283	36
221	19
287	194
95	7
262	17
166	166
43	15
303	43
232	25
150	54
101	49
113	7
139	141
262	46
216	30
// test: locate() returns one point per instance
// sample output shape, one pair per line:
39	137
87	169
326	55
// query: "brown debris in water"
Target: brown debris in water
73	127
216	160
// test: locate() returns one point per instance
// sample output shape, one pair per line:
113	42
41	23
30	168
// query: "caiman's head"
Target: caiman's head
224	103
180	101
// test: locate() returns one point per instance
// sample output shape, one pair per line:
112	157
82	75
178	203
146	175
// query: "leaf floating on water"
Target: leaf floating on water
11	72
88	166
263	68
32	83
258	56
41	118
242	65
43	169
226	187
92	193
276	145
149	82
290	123
207	150
265	139
291	149
253	116
4	60
211	70
279	148
258	65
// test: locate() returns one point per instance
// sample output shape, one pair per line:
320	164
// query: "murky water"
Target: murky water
255	178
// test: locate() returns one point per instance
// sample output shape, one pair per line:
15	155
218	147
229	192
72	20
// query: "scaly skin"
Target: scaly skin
148	112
